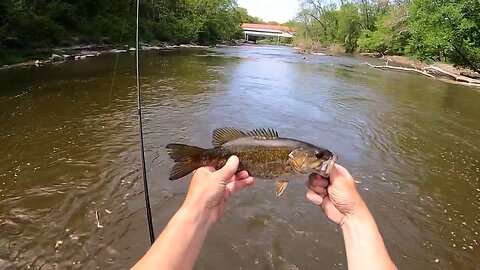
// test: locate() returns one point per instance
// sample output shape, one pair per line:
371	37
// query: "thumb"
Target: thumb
229	169
338	172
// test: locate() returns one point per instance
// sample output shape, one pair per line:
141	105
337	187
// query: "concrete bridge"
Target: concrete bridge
267	30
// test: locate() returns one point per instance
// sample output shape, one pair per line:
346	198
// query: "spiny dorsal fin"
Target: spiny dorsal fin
263	133
223	135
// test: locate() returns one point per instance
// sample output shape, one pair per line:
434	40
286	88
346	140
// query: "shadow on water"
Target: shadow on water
69	147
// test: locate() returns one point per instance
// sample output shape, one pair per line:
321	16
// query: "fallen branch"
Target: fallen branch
451	75
386	66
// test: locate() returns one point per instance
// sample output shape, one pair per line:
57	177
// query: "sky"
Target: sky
271	10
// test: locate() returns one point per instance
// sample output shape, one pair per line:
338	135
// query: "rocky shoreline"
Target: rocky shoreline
76	53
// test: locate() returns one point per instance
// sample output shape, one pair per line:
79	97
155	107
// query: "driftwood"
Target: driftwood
386	66
458	78
432	72
441	72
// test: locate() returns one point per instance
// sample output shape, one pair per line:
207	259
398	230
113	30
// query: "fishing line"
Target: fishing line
116	60
140	123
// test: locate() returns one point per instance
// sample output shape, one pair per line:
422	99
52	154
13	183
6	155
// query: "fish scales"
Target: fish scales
260	151
260	161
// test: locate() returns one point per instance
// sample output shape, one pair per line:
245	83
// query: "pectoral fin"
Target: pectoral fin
280	186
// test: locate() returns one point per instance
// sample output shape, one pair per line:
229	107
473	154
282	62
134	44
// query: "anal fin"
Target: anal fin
280	186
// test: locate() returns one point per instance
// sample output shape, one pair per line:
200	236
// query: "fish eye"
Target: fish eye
323	154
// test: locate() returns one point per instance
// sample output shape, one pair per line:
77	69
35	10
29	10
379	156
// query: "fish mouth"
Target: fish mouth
326	166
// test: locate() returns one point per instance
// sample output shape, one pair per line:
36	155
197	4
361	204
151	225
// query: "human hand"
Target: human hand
210	190
338	198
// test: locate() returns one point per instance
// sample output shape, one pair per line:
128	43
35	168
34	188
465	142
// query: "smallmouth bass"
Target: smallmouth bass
261	152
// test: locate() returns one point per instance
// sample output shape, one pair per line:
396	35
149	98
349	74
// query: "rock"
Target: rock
68	57
148	48
374	54
470	74
132	49
37	63
55	58
117	51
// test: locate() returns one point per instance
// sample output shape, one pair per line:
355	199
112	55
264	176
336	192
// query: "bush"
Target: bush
372	42
36	31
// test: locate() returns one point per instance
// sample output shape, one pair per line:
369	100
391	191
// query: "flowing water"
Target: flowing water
69	148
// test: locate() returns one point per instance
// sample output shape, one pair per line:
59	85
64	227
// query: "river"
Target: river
69	147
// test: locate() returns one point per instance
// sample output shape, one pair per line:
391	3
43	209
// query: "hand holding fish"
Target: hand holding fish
210	190
179	244
338	198
341	202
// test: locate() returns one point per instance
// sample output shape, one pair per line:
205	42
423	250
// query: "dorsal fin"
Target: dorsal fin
263	133
223	135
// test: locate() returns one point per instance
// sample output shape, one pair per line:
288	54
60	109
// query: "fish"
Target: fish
261	152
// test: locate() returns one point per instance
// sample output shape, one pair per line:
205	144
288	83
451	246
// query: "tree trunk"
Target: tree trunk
465	58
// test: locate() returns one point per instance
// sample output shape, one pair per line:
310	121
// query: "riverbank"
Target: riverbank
439	70
79	52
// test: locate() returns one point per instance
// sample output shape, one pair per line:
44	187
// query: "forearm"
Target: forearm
179	244
364	244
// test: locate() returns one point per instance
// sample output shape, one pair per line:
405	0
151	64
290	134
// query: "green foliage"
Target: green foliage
426	29
446	30
45	23
348	27
244	17
391	35
373	41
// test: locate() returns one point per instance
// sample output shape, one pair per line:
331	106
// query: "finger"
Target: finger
317	181
319	190
242	174
235	186
339	171
314	197
330	210
314	176
229	169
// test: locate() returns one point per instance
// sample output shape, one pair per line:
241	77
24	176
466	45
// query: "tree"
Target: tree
446	29
392	32
349	26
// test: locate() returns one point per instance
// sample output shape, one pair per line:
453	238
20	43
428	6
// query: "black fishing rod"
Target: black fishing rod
140	123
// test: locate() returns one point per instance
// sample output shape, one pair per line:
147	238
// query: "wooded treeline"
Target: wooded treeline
429	30
32	24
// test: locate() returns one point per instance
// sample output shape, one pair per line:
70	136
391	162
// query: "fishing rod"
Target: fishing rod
140	123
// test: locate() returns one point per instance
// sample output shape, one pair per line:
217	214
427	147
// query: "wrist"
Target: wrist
198	215
357	218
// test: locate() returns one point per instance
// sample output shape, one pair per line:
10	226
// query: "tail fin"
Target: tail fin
186	157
